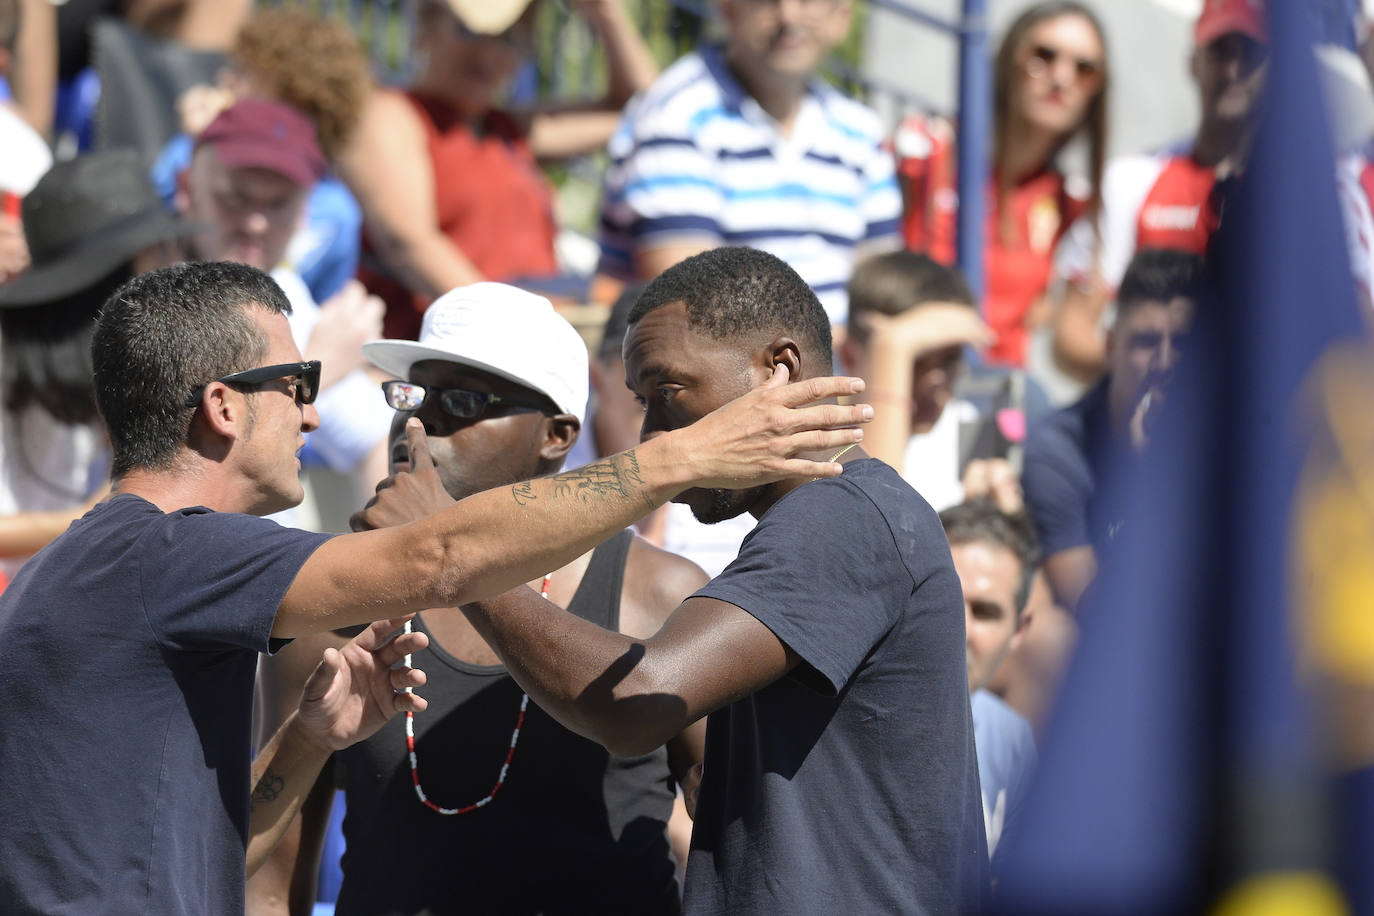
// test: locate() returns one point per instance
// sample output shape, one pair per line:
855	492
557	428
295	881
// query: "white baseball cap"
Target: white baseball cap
499	329
489	17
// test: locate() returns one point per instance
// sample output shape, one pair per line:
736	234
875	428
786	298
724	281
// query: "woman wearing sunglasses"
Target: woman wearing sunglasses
1049	89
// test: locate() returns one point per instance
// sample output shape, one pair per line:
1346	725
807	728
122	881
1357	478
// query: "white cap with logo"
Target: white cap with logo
496	328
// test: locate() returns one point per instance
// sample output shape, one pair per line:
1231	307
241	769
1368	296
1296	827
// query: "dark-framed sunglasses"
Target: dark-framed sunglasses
456	402
305	379
1042	59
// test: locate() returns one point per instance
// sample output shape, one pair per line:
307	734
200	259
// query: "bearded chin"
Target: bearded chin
721	505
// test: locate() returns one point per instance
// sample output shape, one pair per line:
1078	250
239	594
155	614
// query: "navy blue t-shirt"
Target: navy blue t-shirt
851	785
127	653
1062	473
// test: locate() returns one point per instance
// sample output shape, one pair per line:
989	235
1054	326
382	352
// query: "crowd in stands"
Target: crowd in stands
763	700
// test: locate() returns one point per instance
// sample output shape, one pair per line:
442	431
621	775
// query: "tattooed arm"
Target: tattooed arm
426	551
351	694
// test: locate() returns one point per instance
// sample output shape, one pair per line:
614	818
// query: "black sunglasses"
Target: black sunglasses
456	402
1042	58
305	376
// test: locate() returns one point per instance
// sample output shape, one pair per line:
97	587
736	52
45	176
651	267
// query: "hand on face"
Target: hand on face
354	690
754	439
406	496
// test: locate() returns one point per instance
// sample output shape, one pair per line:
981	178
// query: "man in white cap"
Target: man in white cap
541	819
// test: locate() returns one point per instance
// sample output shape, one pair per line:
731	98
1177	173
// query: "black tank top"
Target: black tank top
572	830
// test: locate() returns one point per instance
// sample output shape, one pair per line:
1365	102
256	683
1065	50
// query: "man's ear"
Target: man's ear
219	422
1022	625
560	435
784	350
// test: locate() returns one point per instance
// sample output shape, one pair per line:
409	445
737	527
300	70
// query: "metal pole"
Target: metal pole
975	126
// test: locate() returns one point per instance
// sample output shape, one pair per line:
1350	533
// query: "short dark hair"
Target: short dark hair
45	352
734	291
892	282
979	520
1161	275
161	336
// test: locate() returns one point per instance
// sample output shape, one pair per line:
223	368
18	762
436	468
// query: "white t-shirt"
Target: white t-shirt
24	157
931	462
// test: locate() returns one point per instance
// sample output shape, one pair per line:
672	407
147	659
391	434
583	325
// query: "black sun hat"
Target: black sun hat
83	219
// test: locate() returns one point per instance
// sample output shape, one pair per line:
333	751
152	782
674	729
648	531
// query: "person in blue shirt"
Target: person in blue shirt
996	558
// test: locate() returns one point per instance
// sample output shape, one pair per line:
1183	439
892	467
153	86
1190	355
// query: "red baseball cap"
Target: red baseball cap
1222	17
255	133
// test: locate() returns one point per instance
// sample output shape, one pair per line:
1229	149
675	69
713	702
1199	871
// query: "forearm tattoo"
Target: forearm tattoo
618	474
268	789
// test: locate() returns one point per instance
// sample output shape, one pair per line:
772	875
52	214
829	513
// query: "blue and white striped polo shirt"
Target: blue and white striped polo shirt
697	160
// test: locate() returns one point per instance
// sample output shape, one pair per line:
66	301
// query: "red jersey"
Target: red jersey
1018	250
491	199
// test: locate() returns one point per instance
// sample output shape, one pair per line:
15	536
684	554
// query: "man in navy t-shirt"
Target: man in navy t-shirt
840	773
127	646
1068	455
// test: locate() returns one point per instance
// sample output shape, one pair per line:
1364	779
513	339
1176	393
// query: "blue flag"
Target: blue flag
1181	770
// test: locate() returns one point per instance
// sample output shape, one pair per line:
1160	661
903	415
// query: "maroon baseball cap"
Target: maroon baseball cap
1222	17
254	133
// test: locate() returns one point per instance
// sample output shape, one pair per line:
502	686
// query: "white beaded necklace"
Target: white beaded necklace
505	765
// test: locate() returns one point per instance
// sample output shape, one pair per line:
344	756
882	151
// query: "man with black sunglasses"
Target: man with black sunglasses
499	381
128	646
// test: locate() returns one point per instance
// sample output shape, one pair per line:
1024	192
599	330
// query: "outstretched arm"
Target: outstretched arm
493	541
352	693
631	695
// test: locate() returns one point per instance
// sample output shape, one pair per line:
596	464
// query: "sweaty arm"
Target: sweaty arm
656	583
387	166
493	541
631	695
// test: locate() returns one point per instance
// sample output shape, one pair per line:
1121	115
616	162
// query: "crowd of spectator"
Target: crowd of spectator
754	222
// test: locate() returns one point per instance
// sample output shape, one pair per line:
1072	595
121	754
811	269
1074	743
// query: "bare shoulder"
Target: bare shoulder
656	582
387	117
390	107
